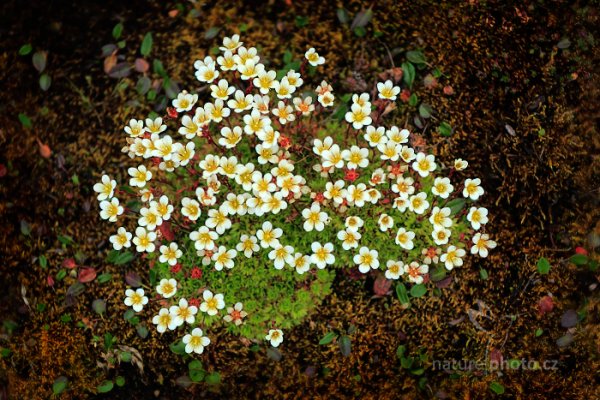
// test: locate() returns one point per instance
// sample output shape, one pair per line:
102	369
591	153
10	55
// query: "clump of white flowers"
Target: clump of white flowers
248	172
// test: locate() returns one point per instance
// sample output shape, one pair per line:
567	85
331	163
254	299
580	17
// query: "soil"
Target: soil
523	112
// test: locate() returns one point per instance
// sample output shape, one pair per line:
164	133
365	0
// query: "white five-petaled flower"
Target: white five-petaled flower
424	164
212	302
231	43
184	101
418	203
322	254
440	217
105	188
385	222
139	176
268	236
195	342
442	187
460	164
235	314
248	245
301	263
415	271
170	254
224	258
110	210
281	255
387	90
190	208
135	299
314	58
183	312
349	238
453	257
275	336
121	239
167	288
394	269
477	217
354	223
405	238
481	244
164	320
135	128
356	157
314	218
359	116
472	189
144	240
366	259
440	235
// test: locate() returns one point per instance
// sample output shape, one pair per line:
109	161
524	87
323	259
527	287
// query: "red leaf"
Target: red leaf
381	286
581	250
50	280
165	230
3	170
69	263
45	150
87	274
141	65
545	305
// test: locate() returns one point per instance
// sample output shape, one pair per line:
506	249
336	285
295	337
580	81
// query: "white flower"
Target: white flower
322	254
333	157
224	258
362	99
110	210
366	259
248	245
275	336
453	257
135	299
235	314
164	320
221	90
477	217
167	288
195	342
424	164
398	136
301	263
144	240
155	125
170	254
184	101
304	106
139	176
249	69
481	244
356	194
283	88
281	255
261	104
418	203
326	100
207	73
190	208
121	239
313	57
387	90
404	186
440	235
268	236
285	112
472	189
183	312
442	187
227	62
441	217
385	222
354	223
255	122
349	239
105	188
407	154
212	303
375	136
460	164
405	238
265	81
389	150
356	157
415	272
231	43
135	128
241	101
358	116
218	220
314	218
245	54
394	269
334	191
162	207
217	110
203	238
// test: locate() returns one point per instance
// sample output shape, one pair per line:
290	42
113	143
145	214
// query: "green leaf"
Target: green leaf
39	60
456	205
177	347
105	387
408	73
360	31
496	388
416	57
579	259
543	266
120	381
301	21
25	49
402	293
126	356
158	68
118	258
418	290
362	19
196	371
514	363
445	129
60	275
43	261
425	110
211	32
75	179
438	274
213	379
287	57
400	351
345	345
103	278
25	121
342	15
483	274
117	31
146	44
539	332
413	100
328	338
60	384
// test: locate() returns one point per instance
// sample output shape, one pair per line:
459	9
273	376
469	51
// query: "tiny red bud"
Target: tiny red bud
172	112
581	250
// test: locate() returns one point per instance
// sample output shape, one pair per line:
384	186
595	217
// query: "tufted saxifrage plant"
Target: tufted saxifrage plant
245	203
